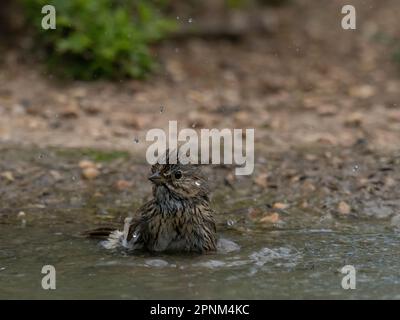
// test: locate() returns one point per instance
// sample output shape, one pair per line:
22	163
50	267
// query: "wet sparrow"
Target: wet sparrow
177	218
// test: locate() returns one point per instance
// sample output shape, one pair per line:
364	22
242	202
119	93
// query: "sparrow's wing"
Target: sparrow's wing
137	228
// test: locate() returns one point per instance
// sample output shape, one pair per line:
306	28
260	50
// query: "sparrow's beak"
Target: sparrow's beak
156	178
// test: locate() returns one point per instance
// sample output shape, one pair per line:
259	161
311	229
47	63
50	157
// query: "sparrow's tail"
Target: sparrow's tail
112	238
99	233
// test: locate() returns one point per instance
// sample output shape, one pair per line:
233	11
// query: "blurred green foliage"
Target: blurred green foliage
100	38
244	3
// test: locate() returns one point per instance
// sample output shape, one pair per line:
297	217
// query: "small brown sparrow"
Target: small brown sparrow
177	218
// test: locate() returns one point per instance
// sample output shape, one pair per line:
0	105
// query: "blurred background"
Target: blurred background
113	69
76	103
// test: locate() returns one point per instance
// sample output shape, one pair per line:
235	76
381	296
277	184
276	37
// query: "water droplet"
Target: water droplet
194	125
136	140
197	183
356	168
162	109
177	18
230	223
190	20
41	156
73	178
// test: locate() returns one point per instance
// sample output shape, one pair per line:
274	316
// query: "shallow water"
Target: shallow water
297	262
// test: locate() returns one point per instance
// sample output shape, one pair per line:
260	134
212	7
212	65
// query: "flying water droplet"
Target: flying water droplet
162	109
190	20
230	223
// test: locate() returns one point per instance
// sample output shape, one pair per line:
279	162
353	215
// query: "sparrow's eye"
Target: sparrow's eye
178	175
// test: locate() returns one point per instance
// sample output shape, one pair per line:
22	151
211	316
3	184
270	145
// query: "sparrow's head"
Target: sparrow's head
177	180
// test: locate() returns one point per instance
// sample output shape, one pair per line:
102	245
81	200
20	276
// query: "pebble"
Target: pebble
69	112
84	164
8	175
280	206
344	208
156	263
355	119
123	184
56	175
363	91
270	218
90	173
327	110
262	180
21	214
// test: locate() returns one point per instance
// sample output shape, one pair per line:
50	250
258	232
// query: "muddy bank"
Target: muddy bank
319	184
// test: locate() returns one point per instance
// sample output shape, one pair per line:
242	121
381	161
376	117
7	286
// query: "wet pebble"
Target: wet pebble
156	263
89	169
280	206
83	164
123	184
21	214
8	175
344	207
262	180
395	222
70	112
226	246
270	218
90	173
212	264
56	175
354	119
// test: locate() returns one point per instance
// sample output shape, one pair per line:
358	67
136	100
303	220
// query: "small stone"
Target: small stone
270	218
344	208
262	180
78	92
56	175
327	110
21	214
84	164
120	132
309	186
230	179
390	182
242	118
394	116
253	213
280	206
363	91
90	173
123	184
133	122
8	175
304	204
354	120
71	111
395	221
